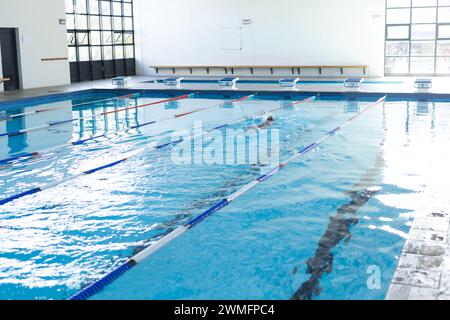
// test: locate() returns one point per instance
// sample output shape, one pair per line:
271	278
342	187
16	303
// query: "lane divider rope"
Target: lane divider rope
24	114
105	281
83	141
112	164
56	183
58	123
18	157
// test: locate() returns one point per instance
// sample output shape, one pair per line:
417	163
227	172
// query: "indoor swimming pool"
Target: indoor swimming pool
89	180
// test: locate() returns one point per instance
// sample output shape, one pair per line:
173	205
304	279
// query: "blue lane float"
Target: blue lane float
19	157
54	184
101	284
83	141
106	166
199	219
143	125
98	286
172	143
20	195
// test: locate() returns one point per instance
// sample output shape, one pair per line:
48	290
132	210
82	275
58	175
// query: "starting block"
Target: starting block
120	81
289	82
173	81
423	84
228	82
353	82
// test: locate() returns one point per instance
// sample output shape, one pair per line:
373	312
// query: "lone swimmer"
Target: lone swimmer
266	124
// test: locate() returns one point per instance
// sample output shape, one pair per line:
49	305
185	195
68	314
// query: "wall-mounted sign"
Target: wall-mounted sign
62	22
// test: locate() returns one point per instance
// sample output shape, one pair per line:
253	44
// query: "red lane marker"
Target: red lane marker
188	113
381	100
241	99
45	110
198	110
305	100
147	105
295	103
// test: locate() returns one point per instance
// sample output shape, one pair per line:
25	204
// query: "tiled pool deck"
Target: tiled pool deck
423	271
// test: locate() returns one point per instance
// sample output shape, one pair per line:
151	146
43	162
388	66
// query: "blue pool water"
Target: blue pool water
343	210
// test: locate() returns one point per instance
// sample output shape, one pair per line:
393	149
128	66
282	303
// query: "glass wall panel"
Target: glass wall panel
99	31
417	37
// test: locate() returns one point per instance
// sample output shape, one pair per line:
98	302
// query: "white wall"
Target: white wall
40	36
283	32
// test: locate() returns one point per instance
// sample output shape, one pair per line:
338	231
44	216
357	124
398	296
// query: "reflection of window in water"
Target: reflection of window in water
288	105
172	105
19	142
352	107
227	106
423	108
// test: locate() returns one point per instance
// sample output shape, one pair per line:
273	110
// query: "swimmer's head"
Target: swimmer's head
270	118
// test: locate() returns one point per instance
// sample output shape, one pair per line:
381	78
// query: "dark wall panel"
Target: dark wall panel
74	74
110	71
85	71
97	70
130	67
120	67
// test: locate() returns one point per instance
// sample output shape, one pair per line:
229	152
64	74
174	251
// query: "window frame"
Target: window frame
89	30
410	57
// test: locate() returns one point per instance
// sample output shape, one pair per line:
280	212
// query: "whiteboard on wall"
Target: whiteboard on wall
232	38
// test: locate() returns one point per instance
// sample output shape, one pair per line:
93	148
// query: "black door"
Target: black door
9	58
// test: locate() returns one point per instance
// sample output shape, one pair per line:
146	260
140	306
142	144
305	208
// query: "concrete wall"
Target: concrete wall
283	32
40	36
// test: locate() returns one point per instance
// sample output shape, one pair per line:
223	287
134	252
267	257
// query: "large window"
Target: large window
100	37
417	37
